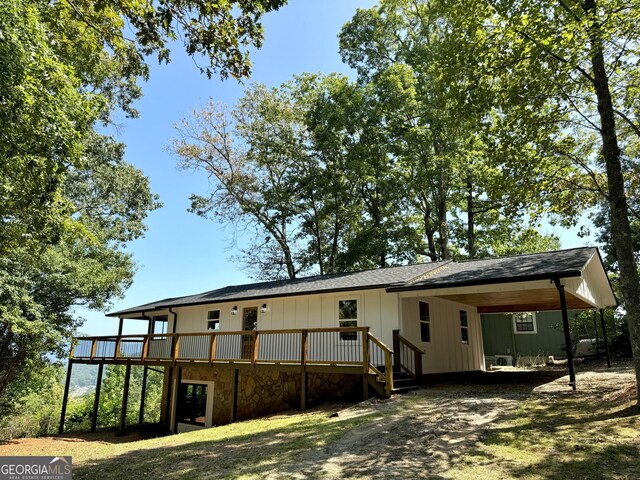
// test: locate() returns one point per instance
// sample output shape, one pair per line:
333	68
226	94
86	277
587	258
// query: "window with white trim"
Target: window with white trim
425	321
348	317
464	326
213	320
524	322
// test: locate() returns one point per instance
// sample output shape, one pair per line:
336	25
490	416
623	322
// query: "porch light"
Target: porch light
263	309
234	310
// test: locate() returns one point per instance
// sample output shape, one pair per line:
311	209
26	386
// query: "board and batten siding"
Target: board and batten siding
445	352
377	309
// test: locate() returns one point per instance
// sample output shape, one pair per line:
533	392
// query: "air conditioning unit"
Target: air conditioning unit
504	360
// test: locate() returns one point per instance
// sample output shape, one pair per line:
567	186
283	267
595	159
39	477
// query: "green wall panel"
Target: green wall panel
499	339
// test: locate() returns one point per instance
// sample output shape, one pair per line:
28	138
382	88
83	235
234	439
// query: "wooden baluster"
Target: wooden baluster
212	347
116	352
176	348
94	346
145	348
254	348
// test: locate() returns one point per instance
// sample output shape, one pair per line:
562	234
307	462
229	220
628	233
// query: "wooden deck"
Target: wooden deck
351	350
347	350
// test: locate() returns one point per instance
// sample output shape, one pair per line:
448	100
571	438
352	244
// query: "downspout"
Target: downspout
567	335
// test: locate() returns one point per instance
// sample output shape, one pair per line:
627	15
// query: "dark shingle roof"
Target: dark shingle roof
535	266
379	278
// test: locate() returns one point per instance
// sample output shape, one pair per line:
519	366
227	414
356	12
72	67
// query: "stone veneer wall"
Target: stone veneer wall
262	392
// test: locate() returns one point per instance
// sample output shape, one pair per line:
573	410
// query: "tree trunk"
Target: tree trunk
471	234
620	226
443	227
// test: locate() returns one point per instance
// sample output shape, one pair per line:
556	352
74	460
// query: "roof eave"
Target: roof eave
470	283
245	299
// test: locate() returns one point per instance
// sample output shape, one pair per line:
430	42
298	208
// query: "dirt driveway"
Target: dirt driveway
423	433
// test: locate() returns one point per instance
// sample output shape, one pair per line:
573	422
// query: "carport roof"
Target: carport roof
517	268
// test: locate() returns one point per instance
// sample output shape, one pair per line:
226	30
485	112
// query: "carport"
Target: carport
560	280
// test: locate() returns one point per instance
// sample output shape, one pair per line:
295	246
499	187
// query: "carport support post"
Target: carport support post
65	398
96	399
604	338
567	334
125	399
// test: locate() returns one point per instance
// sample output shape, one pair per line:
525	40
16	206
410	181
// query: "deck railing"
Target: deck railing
352	346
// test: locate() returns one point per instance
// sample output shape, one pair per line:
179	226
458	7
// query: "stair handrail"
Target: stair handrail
417	352
388	363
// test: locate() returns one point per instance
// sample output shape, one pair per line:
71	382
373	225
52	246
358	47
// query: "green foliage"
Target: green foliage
69	202
37	409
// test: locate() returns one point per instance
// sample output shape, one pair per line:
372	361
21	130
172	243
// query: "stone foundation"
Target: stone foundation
263	392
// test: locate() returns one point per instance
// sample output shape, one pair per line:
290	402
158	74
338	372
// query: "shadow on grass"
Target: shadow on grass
252	454
565	438
133	433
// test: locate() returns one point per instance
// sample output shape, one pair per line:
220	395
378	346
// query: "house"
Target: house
247	350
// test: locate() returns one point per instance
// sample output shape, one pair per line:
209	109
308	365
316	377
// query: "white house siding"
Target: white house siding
445	352
376	309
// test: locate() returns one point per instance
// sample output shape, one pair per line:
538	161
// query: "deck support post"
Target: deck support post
567	334
234	407
167	407
365	365
65	397
604	338
177	394
125	399
304	378
96	398
143	394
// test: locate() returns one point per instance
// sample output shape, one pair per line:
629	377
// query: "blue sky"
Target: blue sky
181	253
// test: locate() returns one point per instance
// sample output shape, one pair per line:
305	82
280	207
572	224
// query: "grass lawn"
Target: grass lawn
581	436
531	430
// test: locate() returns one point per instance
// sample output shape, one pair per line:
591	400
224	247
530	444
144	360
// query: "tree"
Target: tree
109	200
441	128
580	57
306	166
69	203
249	153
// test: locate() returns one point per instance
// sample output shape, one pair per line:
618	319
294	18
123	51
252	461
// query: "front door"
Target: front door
249	322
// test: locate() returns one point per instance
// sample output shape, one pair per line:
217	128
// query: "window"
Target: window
524	322
464	326
213	320
159	324
425	322
192	404
348	317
